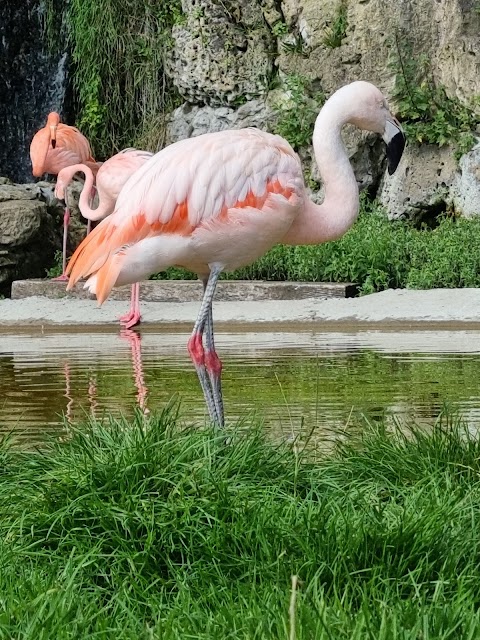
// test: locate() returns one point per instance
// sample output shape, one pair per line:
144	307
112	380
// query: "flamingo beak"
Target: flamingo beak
53	135
394	138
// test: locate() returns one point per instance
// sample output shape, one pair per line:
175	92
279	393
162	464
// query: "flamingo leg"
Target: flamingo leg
92	198
213	365
66	221
133	317
197	351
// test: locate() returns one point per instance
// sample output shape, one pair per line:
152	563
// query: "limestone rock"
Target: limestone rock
20	221
189	121
445	31
222	54
28	237
421	184
465	192
18	192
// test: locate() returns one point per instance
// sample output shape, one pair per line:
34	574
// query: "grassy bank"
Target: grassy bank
378	254
169	533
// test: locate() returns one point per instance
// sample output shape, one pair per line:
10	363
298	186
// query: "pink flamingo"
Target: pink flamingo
221	200
111	177
54	147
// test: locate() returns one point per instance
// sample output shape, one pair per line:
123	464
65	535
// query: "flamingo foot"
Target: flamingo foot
62	278
130	319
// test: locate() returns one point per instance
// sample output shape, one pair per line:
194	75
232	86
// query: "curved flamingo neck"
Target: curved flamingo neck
104	207
331	219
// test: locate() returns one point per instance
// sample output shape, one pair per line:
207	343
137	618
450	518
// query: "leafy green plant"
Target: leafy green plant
56	269
280	29
427	113
336	32
295	116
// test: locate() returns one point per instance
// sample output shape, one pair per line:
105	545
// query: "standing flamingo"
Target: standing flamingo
111	177
221	200
54	147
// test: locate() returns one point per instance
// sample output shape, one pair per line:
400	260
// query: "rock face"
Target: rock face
222	54
225	53
30	231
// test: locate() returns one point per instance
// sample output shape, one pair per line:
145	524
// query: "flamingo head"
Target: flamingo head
369	111
60	186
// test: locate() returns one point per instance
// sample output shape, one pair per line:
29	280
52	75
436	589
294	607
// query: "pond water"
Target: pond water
295	381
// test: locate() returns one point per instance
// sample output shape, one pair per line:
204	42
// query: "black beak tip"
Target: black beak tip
54	144
394	151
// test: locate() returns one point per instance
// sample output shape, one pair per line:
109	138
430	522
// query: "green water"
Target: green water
294	381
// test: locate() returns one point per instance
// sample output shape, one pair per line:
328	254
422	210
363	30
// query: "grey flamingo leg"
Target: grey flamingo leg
213	365
66	221
195	344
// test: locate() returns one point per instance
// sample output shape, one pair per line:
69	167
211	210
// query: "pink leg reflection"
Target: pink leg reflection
135	341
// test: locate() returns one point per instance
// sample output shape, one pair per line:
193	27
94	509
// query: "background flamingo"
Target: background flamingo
219	201
111	177
54	147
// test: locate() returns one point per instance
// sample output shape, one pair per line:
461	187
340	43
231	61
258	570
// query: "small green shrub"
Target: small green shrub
280	29
56	269
335	34
427	113
295	117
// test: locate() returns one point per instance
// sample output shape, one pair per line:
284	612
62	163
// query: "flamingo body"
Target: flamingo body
221	200
111	177
193	203
54	147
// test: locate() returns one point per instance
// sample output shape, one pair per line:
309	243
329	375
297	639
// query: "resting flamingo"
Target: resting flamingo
111	177
54	147
221	200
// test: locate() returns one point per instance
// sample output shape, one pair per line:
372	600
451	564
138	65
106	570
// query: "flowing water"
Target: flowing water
294	381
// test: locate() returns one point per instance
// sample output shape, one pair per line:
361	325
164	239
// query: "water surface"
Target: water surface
294	381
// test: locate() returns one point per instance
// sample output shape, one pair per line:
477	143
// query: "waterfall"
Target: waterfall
33	81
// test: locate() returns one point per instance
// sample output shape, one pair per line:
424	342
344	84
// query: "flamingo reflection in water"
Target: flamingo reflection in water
135	341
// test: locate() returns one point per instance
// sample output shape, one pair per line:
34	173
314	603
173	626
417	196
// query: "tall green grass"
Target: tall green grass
377	254
151	530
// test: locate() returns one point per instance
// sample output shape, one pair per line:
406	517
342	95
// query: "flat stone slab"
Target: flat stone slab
447	308
191	290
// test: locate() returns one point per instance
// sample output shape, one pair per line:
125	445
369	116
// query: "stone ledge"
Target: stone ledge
191	290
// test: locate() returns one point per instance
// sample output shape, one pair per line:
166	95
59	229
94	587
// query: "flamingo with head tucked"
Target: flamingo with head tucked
111	177
221	200
54	147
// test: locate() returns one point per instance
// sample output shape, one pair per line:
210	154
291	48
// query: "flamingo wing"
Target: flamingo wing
71	138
